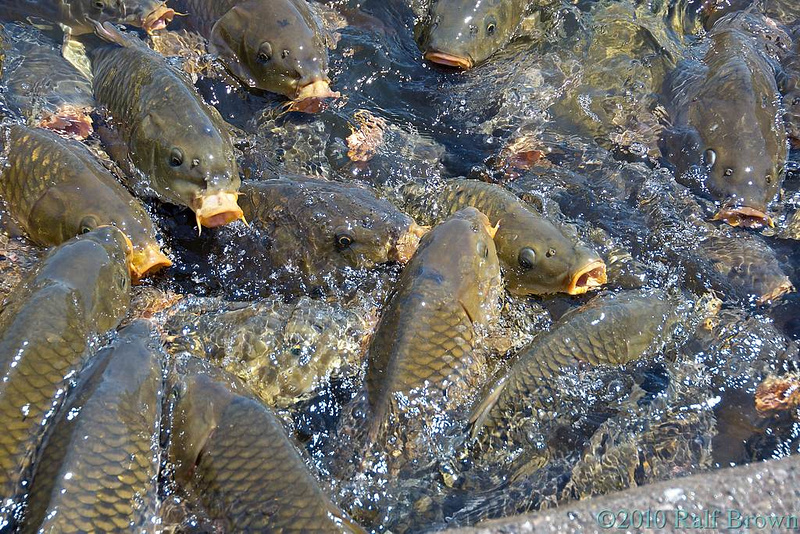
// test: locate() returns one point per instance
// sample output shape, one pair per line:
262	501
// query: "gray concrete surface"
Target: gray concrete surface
762	497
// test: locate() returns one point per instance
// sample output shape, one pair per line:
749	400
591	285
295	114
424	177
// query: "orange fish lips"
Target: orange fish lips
158	19
310	97
449	60
216	209
146	260
744	216
407	245
589	277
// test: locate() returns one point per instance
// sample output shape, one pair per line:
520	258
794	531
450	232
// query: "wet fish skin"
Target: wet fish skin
56	189
236	455
42	87
175	139
78	15
80	289
97	470
322	225
465	33
273	45
611	330
724	113
556	264
423	345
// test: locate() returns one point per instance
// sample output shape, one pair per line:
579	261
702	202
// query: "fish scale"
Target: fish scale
103	458
80	289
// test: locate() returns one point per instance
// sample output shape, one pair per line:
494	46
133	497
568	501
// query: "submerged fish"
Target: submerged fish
726	137
97	470
283	351
611	331
536	256
81	289
235	455
320	226
465	33
56	190
42	87
274	45
178	142
422	362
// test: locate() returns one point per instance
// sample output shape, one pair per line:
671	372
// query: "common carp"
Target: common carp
273	45
236	457
42	87
320	226
422	361
178	142
80	289
97	470
282	351
465	33
537	258
56	190
611	331
726	139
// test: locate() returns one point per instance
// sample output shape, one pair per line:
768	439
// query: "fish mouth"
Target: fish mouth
146	260
309	97
782	289
158	19
449	60
217	209
589	277
745	217
407	245
72	120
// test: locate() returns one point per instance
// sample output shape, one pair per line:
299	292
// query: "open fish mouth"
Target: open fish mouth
158	18
71	120
309	98
147	260
217	209
449	60
407	245
745	217
589	277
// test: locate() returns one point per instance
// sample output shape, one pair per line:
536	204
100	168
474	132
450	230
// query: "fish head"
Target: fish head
195	166
274	48
464	33
539	259
95	264
461	253
150	15
100	10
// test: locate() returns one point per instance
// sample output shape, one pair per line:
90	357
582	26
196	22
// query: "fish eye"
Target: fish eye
768	179
490	28
99	4
728	172
550	252
88	224
483	250
709	157
343	241
176	158
527	258
264	52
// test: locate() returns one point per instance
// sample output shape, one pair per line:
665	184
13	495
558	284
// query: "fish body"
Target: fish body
178	142
273	45
56	189
537	258
80	289
320	225
422	357
97	471
726	138
236	456
465	33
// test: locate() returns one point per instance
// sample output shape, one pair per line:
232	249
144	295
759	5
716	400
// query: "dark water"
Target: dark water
443	123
